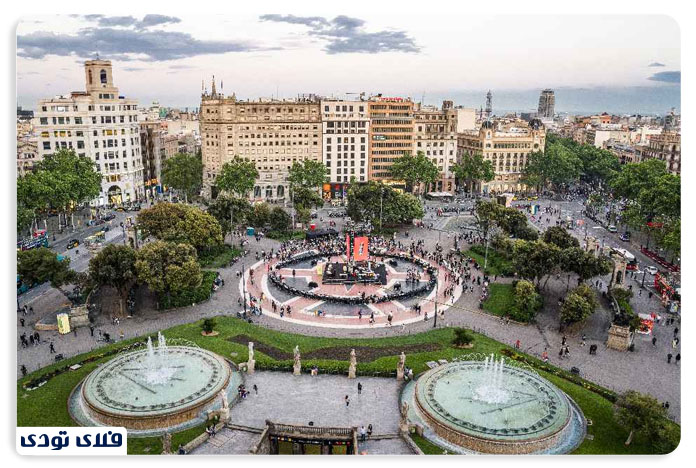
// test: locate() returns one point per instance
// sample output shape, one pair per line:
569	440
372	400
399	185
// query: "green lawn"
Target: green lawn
496	264
500	300
283	236
47	405
220	257
426	446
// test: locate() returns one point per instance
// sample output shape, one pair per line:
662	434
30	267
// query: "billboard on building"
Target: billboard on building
360	249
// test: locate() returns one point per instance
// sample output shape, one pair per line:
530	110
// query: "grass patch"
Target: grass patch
426	446
219	257
186	436
283	236
496	264
501	299
47	405
145	445
190	296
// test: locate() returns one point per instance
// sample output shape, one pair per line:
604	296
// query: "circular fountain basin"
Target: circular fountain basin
127	391
522	413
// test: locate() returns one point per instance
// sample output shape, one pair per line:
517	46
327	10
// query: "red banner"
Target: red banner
360	249
348	247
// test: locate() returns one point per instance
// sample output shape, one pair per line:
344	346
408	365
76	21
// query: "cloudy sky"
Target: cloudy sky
613	63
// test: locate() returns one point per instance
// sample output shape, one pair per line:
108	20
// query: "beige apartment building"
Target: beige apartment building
665	147
507	145
27	155
391	135
272	133
98	124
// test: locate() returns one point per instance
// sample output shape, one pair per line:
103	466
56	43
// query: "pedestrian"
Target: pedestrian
674	343
31	310
37	338
563	340
256	389
560	353
122	335
369	431
347	400
676	331
21	322
52	349
24	370
91	330
669	358
31	340
666	405
74	331
654	340
517	344
649	294
363	434
584	339
677	358
545	356
566	352
359	388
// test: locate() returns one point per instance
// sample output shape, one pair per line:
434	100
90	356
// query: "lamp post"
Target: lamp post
244	290
437	288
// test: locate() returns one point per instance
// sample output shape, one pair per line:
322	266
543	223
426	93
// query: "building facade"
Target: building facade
391	135
271	133
101	125
507	146
27	155
665	147
547	104
345	135
435	134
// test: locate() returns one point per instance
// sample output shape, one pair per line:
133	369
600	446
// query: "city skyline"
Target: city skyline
317	54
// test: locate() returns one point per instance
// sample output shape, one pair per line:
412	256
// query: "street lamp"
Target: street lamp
244	290
437	288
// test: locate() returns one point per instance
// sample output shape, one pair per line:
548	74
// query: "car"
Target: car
652	270
72	243
626	236
612	228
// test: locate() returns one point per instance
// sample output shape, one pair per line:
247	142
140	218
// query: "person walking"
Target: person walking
363	434
669	358
91	330
347	400
654	340
24	370
256	389
677	358
359	388
37	338
369	431
584	340
21	322
51	349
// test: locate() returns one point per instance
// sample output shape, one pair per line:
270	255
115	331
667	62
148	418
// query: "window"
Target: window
102	76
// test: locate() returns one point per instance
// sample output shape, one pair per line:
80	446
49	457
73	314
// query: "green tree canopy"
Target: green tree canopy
168	268
114	266
260	215
175	222
473	168
414	170
237	177
527	302
308	173
560	237
223	205
557	166
36	266
535	260
640	414
280	219
578	305
365	201
183	172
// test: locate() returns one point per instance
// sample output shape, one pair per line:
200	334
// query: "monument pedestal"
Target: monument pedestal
297	369
251	366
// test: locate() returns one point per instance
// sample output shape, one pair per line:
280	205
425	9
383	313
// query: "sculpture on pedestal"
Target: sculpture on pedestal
353	364
400	366
251	363
297	366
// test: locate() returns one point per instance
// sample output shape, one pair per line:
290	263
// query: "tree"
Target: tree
639	414
36	266
598	165
260	215
372	201
585	264
306	198
535	260
414	170
237	177
280	219
25	216
208	326
557	165
560	237
578	305
527	302
183	172
114	266
308	173
176	222
473	168
223	205
168	268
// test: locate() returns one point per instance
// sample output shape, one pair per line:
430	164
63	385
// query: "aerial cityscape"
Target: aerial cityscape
225	257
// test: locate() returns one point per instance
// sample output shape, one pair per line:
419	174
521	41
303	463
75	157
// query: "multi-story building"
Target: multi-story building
625	153
507	146
436	136
98	124
27	155
665	147
272	133
597	135
345	134
547	102
391	135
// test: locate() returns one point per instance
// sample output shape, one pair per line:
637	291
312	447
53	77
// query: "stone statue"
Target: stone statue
353	364
400	366
297	367
225	403
403	420
251	363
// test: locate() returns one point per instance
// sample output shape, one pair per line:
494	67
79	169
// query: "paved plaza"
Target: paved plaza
645	370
